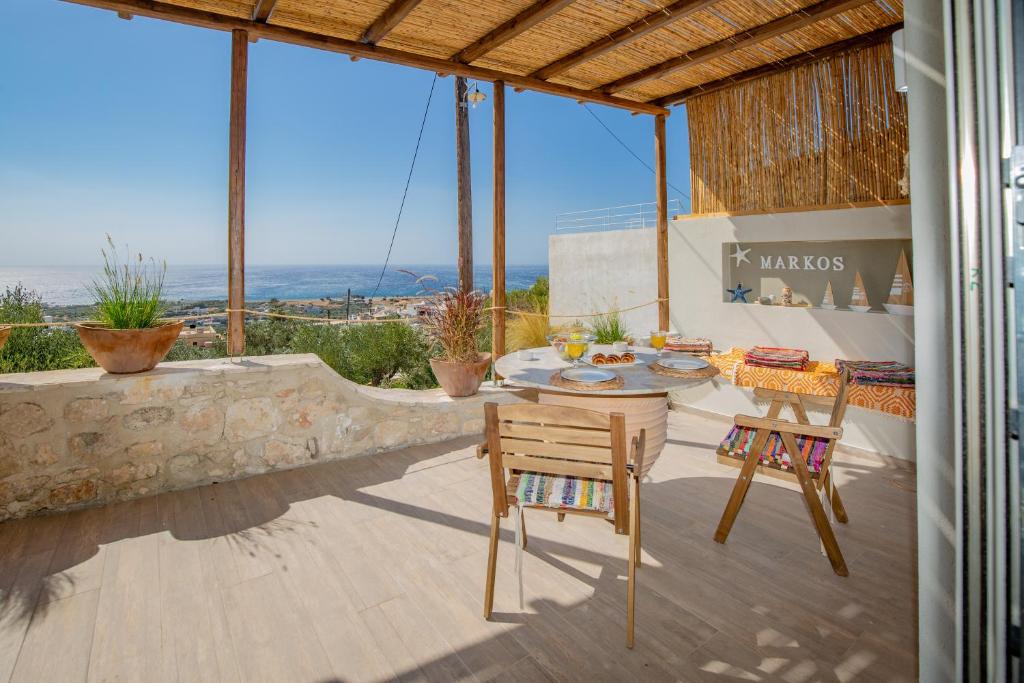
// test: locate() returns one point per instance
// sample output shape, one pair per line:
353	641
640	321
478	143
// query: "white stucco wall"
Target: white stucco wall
591	270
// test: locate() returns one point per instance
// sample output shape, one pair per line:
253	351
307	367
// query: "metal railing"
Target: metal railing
626	217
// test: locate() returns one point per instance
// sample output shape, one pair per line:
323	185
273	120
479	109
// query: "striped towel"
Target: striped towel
549	490
878	373
739	440
694	345
774	357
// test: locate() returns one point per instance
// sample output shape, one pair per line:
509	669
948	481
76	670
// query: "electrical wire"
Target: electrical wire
628	149
405	192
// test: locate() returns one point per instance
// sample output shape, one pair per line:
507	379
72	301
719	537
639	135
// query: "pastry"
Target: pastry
599	359
613	359
628	357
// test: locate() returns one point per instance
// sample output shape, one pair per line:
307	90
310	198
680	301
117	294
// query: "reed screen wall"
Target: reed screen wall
829	132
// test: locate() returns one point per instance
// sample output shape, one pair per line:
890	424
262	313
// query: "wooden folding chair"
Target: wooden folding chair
579	453
766	445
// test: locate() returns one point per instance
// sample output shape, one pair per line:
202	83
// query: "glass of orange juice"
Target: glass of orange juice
658	339
576	347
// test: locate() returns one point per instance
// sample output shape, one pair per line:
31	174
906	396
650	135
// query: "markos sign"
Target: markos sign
765	272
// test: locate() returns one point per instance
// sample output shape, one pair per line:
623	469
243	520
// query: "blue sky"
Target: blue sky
121	126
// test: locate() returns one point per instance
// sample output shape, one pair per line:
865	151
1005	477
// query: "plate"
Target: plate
587	375
691	363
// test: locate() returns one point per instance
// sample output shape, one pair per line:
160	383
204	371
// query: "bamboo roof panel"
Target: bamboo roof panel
441	29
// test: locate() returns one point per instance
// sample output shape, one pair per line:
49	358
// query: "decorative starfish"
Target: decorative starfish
738	293
740	255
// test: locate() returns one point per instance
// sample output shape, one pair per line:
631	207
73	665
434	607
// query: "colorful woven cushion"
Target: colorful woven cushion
740	439
775	357
549	490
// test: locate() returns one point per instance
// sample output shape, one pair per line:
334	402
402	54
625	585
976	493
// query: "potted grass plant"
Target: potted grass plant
454	319
129	335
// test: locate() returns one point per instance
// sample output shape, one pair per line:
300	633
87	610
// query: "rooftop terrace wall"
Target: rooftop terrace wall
74	438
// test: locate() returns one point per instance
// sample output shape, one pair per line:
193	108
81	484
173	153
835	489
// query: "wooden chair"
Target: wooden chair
762	440
543	448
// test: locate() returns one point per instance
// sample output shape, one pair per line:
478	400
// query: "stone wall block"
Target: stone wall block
77	493
24	419
91	446
250	418
203	421
142	419
87	409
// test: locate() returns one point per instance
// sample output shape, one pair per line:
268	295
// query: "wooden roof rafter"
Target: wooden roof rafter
388	20
652	22
522	22
263	10
777	27
167	11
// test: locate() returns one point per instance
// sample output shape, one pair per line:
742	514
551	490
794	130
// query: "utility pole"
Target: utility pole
348	304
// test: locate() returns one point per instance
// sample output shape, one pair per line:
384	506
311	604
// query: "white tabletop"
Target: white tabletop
638	378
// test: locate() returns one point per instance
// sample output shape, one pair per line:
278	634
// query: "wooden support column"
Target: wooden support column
465	186
498	260
236	193
661	198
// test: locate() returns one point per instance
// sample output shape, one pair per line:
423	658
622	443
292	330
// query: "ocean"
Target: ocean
65	285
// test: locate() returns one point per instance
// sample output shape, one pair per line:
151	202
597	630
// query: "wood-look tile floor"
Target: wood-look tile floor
372	570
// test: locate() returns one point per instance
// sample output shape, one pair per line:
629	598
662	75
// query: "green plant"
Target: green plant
128	293
454	320
36	348
608	328
384	354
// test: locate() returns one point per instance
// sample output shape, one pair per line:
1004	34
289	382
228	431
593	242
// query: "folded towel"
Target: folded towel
694	345
878	373
774	357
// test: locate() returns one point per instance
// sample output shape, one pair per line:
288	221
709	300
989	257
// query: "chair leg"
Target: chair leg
832	491
739	492
634	530
561	516
639	525
818	516
492	564
522	525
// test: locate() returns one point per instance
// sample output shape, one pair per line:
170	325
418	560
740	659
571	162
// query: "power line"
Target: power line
408	180
628	149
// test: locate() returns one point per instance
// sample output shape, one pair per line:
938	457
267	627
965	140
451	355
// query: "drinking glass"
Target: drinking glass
658	340
575	349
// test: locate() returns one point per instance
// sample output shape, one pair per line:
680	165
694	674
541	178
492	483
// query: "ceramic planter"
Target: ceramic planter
127	351
461	379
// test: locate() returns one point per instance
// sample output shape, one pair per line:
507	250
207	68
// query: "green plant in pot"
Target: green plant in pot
454	320
129	335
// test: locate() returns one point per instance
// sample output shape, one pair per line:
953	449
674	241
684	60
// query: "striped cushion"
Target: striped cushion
739	440
549	490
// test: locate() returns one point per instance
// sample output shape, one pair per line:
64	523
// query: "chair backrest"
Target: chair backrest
560	441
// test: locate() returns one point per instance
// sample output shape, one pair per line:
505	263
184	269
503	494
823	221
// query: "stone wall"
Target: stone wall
80	437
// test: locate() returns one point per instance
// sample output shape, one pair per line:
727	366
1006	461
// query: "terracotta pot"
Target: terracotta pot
5	332
126	351
461	379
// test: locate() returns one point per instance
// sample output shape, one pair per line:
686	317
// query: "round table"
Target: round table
643	399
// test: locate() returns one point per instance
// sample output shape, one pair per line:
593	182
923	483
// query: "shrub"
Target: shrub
39	348
384	355
128	294
528	331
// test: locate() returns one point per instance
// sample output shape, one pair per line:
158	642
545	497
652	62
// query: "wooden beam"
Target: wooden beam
625	35
498	259
222	22
236	192
525	20
465	178
262	11
873	38
661	200
786	24
388	20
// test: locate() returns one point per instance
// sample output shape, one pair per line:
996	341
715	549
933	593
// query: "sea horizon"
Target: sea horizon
66	285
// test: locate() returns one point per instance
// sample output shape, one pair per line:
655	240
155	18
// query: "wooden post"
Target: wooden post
465	186
498	260
236	193
661	198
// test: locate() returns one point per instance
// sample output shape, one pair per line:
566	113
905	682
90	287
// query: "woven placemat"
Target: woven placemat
557	380
702	373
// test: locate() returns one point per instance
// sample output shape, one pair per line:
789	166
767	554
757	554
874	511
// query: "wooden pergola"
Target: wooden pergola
638	55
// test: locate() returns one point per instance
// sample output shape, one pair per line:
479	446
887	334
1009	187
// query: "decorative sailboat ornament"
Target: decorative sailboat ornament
828	301
901	295
859	299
